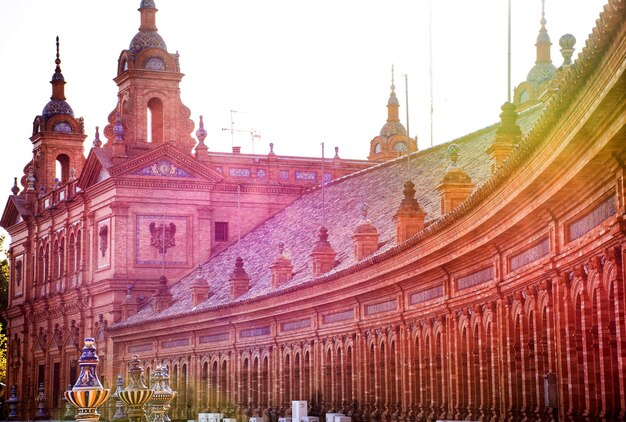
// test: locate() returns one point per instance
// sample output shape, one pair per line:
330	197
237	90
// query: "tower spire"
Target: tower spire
58	81
543	39
392	104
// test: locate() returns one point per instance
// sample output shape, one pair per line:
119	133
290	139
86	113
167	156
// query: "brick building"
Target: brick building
484	279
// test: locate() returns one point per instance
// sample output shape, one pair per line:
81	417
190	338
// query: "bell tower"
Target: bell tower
149	107
57	138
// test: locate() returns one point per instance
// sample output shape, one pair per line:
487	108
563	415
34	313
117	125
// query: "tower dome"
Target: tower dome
393	125
543	70
147	36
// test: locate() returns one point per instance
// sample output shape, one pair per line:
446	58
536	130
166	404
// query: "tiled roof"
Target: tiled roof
380	187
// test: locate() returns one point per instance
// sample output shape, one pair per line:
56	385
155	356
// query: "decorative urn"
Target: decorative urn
87	394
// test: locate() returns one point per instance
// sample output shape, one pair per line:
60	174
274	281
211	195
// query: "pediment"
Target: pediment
165	162
14	212
95	169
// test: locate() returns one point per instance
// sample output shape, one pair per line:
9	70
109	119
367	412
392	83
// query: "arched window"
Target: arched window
62	168
155	121
245	385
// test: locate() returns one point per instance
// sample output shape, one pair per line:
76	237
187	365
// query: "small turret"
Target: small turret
456	185
323	254
365	236
239	280
410	217
281	267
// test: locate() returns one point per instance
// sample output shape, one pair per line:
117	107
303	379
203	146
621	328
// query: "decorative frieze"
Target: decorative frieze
426	295
181	342
345	315
377	308
239	172
255	332
214	338
529	255
306	175
296	325
586	223
140	348
163	168
475	278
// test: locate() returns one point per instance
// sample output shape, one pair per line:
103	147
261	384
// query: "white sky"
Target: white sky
299	72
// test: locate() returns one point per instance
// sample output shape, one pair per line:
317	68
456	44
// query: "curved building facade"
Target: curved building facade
484	280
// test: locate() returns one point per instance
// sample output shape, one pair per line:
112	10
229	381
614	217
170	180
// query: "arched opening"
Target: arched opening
328	375
223	384
339	383
255	382
265	382
349	374
371	384
62	169
213	387
204	386
155	121
245	383
287	380
306	392
296	378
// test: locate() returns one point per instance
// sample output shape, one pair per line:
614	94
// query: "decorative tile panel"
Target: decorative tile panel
214	338
377	308
175	343
163	168
306	175
296	325
260	173
238	172
255	332
154	63
62	127
284	174
327	177
529	255
346	315
426	295
599	214
475	278
140	348
162	240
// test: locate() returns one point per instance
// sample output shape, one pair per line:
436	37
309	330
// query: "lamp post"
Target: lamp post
136	394
87	394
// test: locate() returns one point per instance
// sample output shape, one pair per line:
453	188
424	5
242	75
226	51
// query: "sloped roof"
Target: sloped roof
380	187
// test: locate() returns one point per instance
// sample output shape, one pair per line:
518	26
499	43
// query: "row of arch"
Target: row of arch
58	260
553	346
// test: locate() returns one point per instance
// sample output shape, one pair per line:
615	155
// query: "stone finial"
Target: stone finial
13	402
456	185
162	297
281	267
129	305
120	411
507	137
201	132
41	400
365	236
336	157
30	179
97	143
57	183
239	279
15	190
410	217
567	42
199	288
42	191
271	149
323	254
119	128
72	174
202	151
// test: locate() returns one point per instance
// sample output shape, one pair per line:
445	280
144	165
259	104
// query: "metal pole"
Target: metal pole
408	140
508	88
323	199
